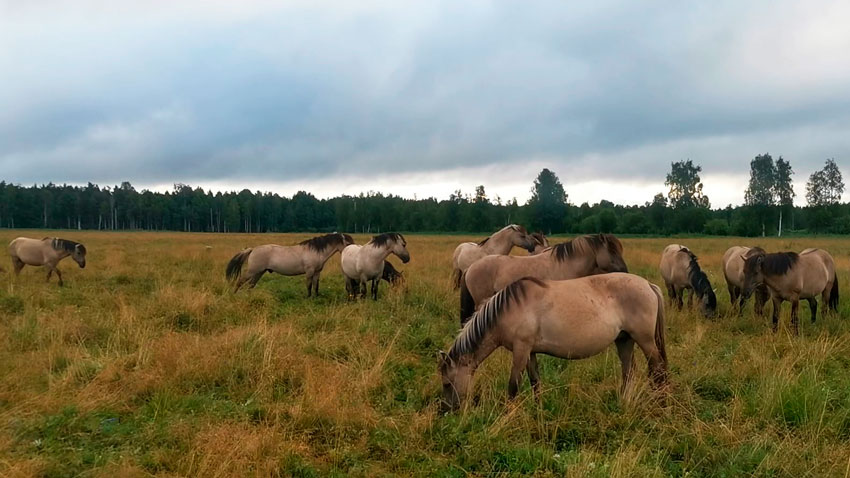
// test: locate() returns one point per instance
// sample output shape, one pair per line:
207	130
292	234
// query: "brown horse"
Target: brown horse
733	270
680	271
500	243
45	252
582	256
571	319
306	257
791	276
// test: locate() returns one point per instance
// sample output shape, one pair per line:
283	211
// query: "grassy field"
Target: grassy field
144	364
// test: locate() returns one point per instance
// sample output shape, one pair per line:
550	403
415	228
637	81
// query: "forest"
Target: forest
768	208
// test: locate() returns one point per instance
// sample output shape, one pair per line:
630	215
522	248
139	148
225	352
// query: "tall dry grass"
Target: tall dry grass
145	364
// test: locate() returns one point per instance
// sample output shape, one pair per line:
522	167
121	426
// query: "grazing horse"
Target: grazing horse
680	270
570	319
393	276
499	243
733	270
791	276
45	252
306	257
361	264
582	256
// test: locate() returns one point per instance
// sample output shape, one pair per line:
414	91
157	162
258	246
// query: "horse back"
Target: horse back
674	265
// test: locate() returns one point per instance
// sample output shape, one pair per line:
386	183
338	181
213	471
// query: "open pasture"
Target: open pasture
145	364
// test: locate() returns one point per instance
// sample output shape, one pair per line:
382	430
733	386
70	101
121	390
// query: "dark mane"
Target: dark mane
778	263
539	238
66	245
699	280
488	315
382	239
320	243
585	244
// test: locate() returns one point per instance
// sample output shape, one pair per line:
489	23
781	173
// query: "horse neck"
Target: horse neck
499	243
487	346
380	252
572	267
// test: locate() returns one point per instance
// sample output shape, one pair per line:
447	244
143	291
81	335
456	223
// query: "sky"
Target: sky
421	98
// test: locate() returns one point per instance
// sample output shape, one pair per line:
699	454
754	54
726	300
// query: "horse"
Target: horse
45	252
680	270
307	257
393	276
499	243
791	276
582	256
541	243
733	270
570	319
366	263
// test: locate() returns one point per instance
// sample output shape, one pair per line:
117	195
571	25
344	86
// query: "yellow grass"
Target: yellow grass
145	364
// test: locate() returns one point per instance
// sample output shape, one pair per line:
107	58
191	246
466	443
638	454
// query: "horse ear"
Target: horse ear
444	357
743	258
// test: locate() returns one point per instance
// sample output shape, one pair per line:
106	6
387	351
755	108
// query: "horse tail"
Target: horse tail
467	303
456	278
234	267
833	295
659	329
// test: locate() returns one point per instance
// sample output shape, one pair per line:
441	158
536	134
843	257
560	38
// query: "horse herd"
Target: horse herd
571	300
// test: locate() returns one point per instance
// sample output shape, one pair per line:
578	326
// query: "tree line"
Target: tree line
768	208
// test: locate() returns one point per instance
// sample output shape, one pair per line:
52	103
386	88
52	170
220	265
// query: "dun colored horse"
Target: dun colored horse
733	270
306	257
791	276
499	243
45	252
582	256
680	271
361	264
571	319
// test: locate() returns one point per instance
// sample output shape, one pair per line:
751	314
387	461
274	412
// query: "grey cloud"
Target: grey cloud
613	89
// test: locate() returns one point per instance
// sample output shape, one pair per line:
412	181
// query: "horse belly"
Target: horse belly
583	332
287	265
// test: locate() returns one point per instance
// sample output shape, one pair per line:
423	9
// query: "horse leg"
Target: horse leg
49	272
375	288
309	285
656	365
679	295
671	292
59	275
362	289
690	298
522	355
316	284
761	299
17	265
256	278
625	350
795	308
733	295
533	375
777	303
813	305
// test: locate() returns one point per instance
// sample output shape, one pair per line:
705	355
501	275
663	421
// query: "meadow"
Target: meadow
145	364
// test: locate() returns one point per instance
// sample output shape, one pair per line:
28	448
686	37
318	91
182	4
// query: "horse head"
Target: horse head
753	272
79	255
456	377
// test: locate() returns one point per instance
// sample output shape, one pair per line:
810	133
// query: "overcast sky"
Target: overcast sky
421	98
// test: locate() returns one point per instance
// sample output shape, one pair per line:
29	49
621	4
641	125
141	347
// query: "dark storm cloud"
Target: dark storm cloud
310	92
